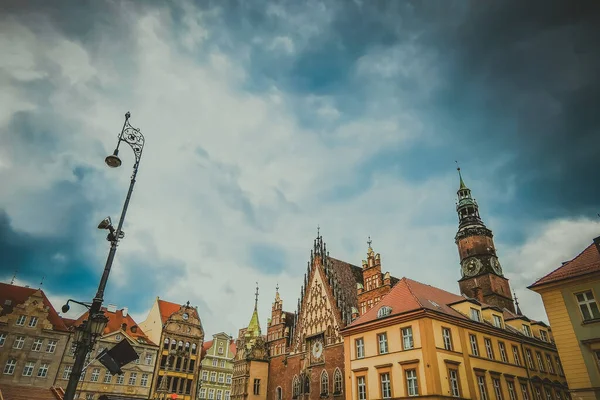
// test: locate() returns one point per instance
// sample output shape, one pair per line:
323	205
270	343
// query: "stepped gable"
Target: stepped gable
16	295
587	262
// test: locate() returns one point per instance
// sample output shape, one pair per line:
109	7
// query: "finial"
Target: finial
187	305
462	183
256	297
318	231
277	288
12	281
369	242
42	281
517	308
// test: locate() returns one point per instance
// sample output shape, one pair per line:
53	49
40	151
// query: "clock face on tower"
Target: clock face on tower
471	266
316	351
496	265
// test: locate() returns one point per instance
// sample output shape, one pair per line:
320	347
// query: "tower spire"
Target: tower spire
462	183
518	309
369	241
256	298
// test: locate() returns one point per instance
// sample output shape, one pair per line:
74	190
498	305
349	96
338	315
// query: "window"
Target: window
360	348
95	375
324	383
149	358
72	349
32	322
497	388
256	387
474	347
107	377
558	395
202	393
228	395
482	388
516	355
37	344
219	394
548	393
407	338
453	378
21	320
211	393
411	382
541	366
89	396
2	339
386	388
587	305
475	315
447	335
221	377
337	382
529	359
19	342
228	379
213	376
222	363
132	378
524	391
194	348
511	390
120	379
559	366
51	346
502	348
362	388
538	393
497	321
42	370
204	375
67	372
488	348
278	394
383	346
9	367
543	335
384	311
220	350
28	370
215	362
526	330
295	387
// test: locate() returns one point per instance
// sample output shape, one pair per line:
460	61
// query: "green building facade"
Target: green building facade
217	368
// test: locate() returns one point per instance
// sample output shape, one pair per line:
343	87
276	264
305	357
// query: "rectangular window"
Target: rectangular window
37	344
538	393
222	363
386	388
497	321
67	372
524	391
497	388
204	375
9	367
362	388
550	365
107	377
2	339
32	322
559	366
558	395
516	356
215	362
383	346
202	393
526	330
149	358
221	377
543	335
541	366
587	305
511	390
453	378
482	388
28	370
474	347
51	346
132	378
19	342
227	395
256	387
219	394
475	315
89	396
120	379
407	338
502	348
21	320
144	381
228	379
213	376
447	335
411	382
529	359
488	348
360	348
42	370
95	375
211	394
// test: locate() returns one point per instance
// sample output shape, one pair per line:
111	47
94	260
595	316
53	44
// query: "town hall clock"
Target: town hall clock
316	350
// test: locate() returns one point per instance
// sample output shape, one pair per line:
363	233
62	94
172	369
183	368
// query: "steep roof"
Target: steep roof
17	295
115	324
11	392
348	276
586	262
166	309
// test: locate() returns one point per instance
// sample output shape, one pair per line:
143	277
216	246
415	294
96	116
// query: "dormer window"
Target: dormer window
543	335
475	315
497	321
384	311
526	330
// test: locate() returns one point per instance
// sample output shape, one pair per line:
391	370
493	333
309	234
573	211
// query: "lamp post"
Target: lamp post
87	333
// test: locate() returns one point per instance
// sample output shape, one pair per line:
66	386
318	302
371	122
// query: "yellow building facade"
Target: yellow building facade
423	341
570	296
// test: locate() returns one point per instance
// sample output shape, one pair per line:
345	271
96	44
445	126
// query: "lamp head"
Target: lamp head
113	160
105	224
65	309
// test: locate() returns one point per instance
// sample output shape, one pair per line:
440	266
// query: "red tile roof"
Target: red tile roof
69	322
115	323
206	346
409	295
166	309
586	262
11	392
19	294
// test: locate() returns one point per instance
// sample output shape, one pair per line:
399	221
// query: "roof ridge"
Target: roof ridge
406	280
566	264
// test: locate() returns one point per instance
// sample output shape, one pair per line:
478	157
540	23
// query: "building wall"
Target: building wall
258	370
43	331
224	366
152	326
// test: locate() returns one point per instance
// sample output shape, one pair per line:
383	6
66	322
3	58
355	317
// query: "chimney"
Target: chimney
125	311
597	243
111	308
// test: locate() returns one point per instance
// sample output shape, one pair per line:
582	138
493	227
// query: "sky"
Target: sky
266	119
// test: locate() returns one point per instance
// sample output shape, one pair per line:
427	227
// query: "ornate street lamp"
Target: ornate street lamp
87	333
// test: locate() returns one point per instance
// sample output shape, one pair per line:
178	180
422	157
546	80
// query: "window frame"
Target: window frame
587	303
410	336
474	345
359	343
448	345
382	374
361	381
384	342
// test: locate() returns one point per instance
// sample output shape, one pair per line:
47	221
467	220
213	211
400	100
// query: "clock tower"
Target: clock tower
482	276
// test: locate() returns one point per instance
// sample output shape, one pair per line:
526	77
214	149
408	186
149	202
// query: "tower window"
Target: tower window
257	386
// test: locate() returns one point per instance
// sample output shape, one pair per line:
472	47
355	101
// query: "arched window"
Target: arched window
324	383
337	382
278	393
193	348
166	345
173	344
295	387
187	346
180	345
306	384
384	311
